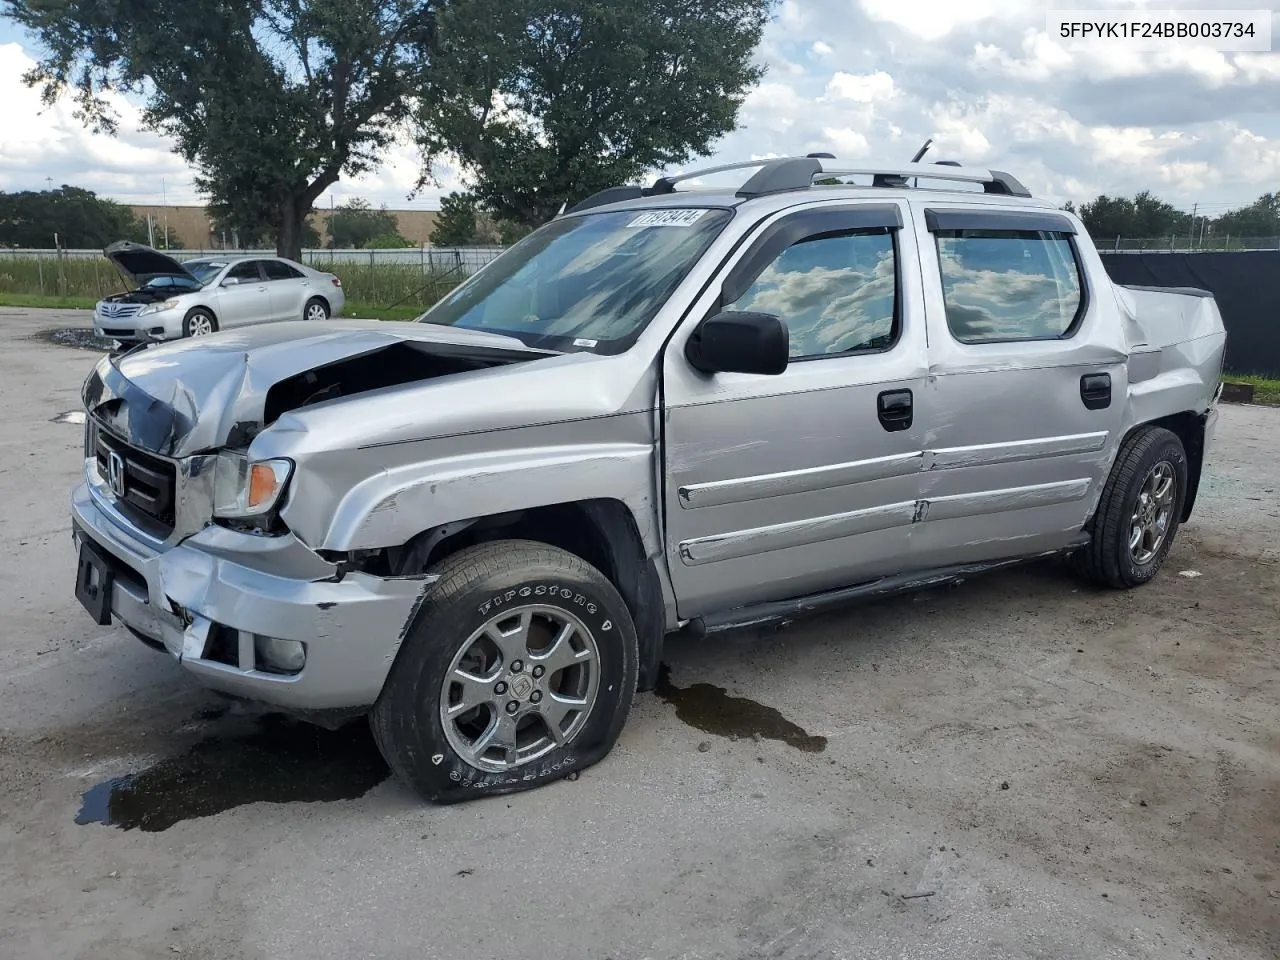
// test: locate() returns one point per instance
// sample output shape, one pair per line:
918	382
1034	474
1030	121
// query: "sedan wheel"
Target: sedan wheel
315	311
199	324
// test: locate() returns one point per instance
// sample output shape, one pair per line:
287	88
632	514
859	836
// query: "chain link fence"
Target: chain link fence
1186	244
416	276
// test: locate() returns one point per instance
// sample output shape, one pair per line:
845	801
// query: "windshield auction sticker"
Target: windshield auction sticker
667	218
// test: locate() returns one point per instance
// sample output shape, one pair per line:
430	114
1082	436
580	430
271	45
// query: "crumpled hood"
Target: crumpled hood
199	394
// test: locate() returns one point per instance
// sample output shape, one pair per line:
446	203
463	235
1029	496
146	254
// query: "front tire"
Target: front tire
520	668
199	323
1139	512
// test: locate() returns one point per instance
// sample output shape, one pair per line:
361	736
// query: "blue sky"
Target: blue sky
866	80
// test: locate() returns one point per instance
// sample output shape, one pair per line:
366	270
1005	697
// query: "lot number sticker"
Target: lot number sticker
667	218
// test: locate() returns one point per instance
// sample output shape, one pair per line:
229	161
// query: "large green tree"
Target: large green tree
75	218
1144	215
270	100
354	223
457	223
1260	219
546	101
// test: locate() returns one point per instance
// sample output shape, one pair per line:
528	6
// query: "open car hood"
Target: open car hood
140	263
193	396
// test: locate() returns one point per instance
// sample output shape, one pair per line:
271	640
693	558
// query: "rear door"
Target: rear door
248	299
1027	383
783	486
289	289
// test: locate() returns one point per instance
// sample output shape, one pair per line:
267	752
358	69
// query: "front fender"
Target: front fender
390	507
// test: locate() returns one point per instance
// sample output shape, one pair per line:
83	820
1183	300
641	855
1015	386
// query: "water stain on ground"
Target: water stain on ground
278	760
712	710
78	338
71	416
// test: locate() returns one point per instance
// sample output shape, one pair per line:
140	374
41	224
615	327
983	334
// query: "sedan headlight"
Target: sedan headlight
245	488
158	307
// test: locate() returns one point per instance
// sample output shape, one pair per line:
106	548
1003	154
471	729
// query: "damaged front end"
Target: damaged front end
179	525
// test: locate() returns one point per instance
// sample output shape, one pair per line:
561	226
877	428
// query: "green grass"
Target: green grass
369	311
387	291
1265	389
36	300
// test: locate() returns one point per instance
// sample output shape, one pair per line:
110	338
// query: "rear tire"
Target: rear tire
199	323
459	717
316	310
1139	512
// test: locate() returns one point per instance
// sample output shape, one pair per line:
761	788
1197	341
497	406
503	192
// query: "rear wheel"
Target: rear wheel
315	310
1139	512
519	669
199	323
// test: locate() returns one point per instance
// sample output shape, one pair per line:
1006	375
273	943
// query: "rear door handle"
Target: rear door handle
1095	390
895	409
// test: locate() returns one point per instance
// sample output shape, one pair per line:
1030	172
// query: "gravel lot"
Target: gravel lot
1015	768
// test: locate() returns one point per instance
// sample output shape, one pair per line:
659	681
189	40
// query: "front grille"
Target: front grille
111	310
148	482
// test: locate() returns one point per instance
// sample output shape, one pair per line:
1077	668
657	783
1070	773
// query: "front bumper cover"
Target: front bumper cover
352	624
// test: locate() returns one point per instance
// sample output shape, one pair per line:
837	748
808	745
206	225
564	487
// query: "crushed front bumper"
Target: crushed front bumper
205	599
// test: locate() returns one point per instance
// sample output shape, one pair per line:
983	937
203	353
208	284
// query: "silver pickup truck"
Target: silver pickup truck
666	409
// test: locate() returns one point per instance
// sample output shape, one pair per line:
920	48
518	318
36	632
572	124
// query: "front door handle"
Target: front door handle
1095	390
895	409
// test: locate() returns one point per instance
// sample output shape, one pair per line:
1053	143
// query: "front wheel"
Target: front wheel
1139	512
520	668
199	323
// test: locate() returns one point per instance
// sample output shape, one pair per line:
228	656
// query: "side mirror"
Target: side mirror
231	282
733	342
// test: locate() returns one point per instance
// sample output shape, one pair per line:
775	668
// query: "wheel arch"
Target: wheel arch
603	532
202	308
328	304
1190	428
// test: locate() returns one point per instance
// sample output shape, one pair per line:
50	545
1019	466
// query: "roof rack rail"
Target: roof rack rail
780	174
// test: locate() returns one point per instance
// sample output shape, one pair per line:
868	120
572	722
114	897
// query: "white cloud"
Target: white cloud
822	49
861	88
933	19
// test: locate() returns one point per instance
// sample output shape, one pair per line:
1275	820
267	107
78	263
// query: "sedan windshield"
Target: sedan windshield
204	270
589	283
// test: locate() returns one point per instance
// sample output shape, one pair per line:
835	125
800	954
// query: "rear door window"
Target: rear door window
1002	284
279	270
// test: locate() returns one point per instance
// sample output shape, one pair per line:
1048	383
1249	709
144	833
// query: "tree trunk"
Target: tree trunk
293	216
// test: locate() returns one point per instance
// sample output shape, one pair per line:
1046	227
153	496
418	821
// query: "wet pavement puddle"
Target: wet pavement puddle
712	710
272	760
71	416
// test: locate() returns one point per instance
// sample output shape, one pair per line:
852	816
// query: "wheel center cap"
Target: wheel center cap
521	686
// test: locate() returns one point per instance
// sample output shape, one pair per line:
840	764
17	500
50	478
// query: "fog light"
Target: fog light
279	656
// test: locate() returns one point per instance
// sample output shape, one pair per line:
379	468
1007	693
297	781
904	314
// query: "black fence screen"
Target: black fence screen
1246	286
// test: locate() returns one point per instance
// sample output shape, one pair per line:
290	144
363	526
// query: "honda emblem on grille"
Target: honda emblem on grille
115	473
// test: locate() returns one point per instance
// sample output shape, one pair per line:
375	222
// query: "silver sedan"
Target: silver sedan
168	299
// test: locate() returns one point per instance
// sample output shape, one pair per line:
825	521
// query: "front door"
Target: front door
247	300
1027	387
782	486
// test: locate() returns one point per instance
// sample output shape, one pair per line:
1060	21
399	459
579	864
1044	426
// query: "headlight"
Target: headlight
158	307
244	488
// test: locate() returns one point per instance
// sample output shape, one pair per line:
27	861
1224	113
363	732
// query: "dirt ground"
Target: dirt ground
1018	767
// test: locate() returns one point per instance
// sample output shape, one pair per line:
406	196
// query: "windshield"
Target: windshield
591	282
167	282
204	270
